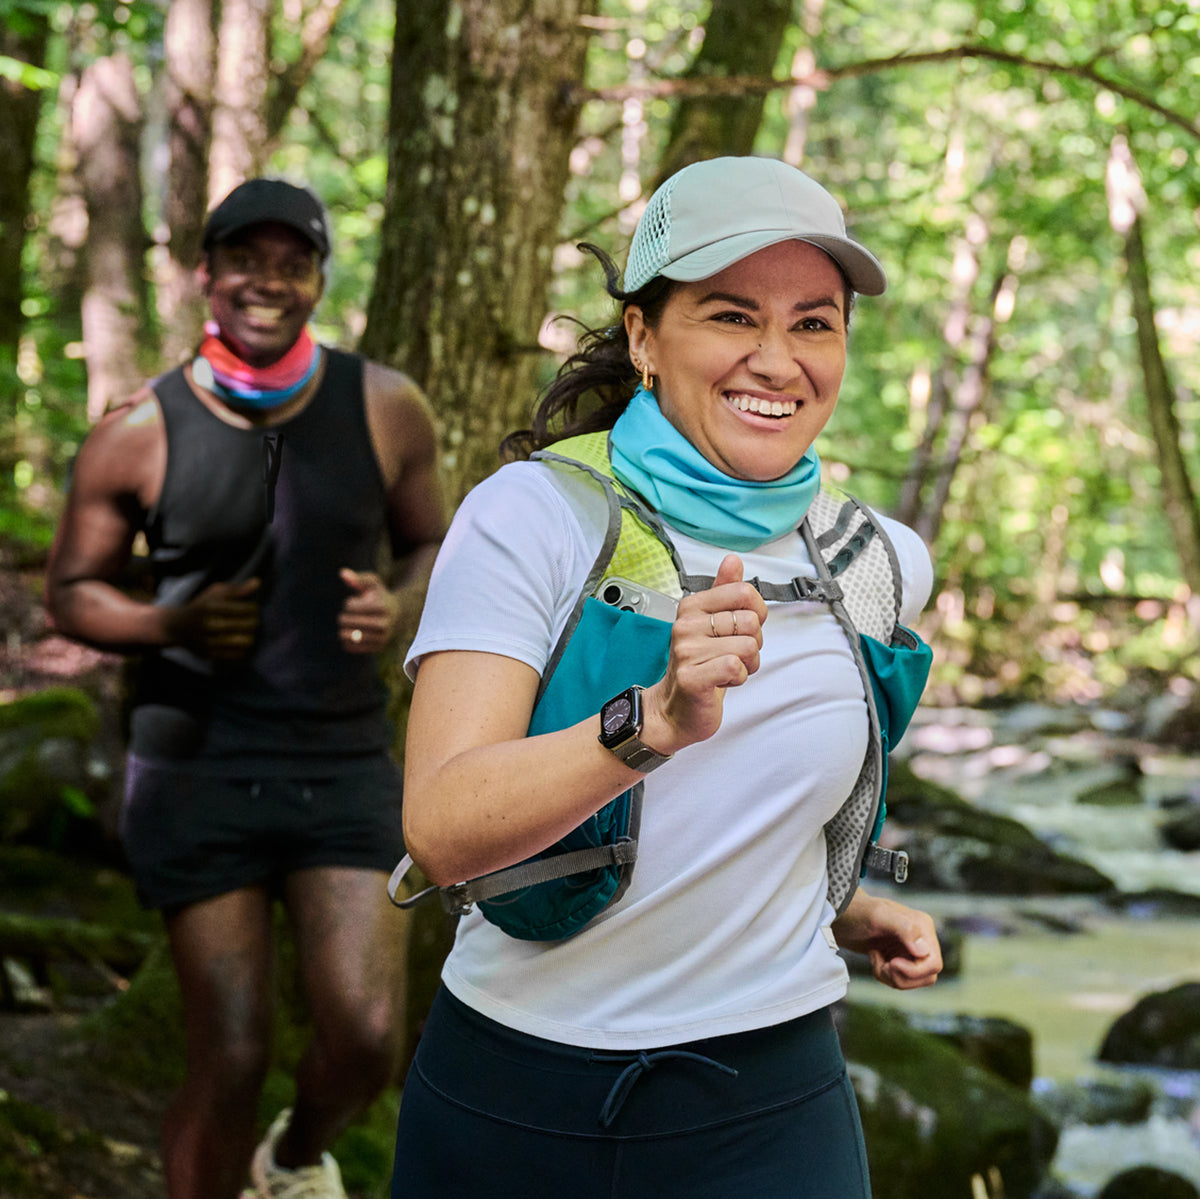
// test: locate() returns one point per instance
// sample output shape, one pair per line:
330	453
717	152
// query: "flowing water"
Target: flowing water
1067	967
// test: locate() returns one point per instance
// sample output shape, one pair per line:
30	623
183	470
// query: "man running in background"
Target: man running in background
264	476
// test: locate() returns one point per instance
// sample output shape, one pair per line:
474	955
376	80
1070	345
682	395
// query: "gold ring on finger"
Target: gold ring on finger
734	633
712	624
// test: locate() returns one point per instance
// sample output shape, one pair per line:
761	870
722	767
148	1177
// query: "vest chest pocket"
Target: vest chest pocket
608	651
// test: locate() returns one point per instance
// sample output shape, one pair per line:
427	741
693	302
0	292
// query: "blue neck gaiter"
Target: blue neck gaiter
653	458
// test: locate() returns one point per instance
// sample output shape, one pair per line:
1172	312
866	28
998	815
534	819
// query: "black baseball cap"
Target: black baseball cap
258	201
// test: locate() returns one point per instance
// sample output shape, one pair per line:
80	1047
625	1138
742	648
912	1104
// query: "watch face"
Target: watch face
615	714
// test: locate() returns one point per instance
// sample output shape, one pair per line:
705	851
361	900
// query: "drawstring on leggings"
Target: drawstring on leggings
641	1064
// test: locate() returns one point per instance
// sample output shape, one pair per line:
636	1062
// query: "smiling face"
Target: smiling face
749	361
262	285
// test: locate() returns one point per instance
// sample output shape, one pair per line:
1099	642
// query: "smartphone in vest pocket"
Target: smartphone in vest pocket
633	597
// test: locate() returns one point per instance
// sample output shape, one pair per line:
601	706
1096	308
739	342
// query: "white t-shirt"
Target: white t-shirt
724	925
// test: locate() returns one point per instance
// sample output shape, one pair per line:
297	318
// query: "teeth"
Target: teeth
744	403
257	313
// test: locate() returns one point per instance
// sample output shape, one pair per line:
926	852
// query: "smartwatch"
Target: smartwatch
620	732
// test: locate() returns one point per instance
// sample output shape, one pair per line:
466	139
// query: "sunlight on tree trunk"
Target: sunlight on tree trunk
189	49
66	222
108	126
801	100
967	390
239	120
18	125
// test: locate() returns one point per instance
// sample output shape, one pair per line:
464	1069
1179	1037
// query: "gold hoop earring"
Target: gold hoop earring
647	378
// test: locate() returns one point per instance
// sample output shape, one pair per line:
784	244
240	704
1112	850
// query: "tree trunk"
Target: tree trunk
108	123
1126	203
216	145
1179	495
802	100
959	387
968	387
23	39
738	40
189	49
478	145
239	146
923	467
62	265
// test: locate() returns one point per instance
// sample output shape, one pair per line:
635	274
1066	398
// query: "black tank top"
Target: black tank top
289	505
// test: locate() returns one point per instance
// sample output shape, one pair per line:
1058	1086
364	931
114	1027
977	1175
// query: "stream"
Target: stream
1067	967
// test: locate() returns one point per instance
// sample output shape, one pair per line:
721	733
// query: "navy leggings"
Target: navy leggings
490	1113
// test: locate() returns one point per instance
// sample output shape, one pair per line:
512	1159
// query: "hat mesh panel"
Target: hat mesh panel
651	248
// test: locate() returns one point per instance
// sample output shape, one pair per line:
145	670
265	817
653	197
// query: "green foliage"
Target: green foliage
26	75
45	388
32	879
77	803
37	788
29	1136
1057	489
336	141
138	1037
969	142
56	712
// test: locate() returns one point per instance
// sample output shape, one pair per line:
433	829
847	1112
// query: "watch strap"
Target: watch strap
639	756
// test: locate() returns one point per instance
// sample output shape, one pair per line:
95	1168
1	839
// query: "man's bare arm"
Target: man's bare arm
117	477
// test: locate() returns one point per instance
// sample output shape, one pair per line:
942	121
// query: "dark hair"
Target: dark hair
594	386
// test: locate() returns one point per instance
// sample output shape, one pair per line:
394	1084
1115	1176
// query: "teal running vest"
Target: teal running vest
604	649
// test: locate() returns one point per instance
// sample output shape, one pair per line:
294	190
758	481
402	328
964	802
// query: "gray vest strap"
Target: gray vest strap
458	898
827	525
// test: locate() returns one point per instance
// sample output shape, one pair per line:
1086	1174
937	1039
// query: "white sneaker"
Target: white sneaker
323	1181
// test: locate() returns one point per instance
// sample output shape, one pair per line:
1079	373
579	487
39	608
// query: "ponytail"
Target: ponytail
594	385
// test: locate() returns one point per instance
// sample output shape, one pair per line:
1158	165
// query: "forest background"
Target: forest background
1025	394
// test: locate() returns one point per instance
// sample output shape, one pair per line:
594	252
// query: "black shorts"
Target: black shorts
190	835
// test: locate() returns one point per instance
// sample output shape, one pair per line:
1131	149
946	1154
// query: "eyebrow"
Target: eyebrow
728	297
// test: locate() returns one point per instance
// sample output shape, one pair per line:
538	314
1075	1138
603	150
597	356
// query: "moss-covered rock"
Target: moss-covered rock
46	1156
1000	1046
1162	1029
954	846
1182	832
934	1120
138	1036
1148	1182
47	883
1097	1101
44	740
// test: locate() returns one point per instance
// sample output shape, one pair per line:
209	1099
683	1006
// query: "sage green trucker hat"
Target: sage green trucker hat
714	213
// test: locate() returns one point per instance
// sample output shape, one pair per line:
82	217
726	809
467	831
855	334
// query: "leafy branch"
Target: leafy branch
822	78
314	40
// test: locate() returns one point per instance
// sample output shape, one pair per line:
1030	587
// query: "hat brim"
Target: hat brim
860	266
217	232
